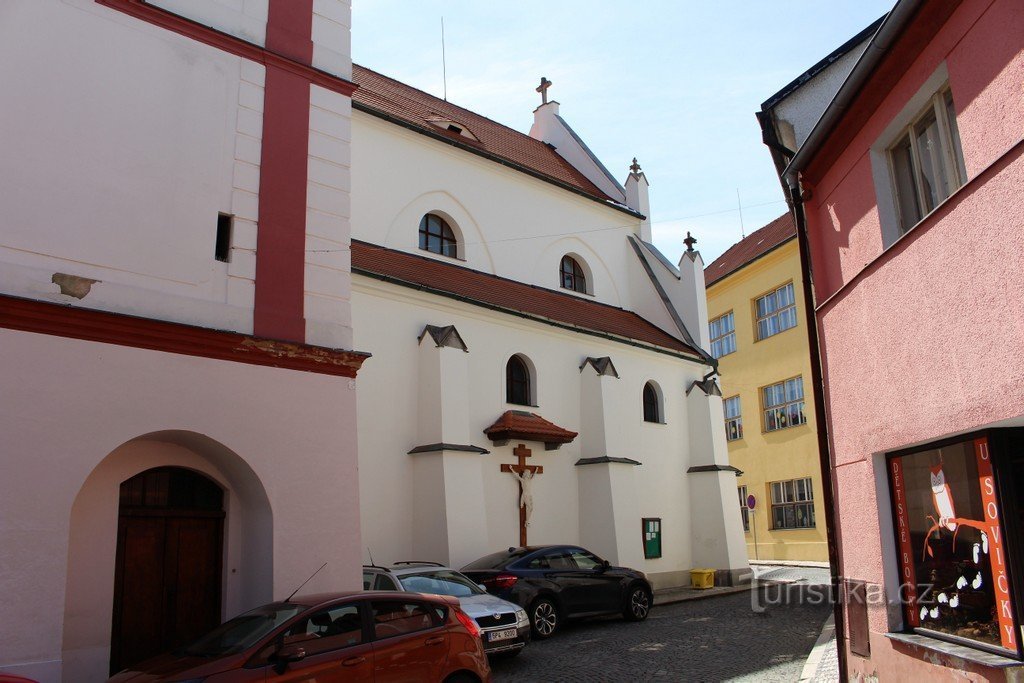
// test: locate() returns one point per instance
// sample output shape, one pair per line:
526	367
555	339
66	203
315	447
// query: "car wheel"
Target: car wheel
638	603
543	618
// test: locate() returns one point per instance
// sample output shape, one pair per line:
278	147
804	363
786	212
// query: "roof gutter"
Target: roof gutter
893	25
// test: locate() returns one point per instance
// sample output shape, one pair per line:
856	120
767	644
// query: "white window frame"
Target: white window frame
744	510
777	314
783	407
736	419
725	336
781	496
882	169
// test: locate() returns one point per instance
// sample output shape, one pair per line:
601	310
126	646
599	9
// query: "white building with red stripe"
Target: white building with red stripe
178	382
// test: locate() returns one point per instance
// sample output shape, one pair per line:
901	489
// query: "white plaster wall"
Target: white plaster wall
802	109
387	320
293	433
245	19
332	37
513	225
328	212
115	169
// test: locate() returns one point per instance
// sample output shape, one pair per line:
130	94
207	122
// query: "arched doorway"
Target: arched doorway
167	579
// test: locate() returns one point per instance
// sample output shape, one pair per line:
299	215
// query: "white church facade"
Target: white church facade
509	291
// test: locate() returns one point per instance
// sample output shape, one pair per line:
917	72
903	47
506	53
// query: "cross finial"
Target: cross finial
634	167
689	241
543	89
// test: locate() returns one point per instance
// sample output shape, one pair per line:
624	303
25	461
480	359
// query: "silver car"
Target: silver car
504	626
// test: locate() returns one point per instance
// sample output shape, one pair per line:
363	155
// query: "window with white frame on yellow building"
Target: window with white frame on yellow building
776	311
783	404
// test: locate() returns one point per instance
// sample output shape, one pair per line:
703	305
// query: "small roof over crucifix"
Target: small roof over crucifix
689	241
543	89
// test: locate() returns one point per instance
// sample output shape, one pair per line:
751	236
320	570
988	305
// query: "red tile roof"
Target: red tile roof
519	424
399	101
752	247
491	291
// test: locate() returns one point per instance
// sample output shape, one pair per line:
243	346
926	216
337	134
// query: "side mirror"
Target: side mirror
291	653
482	587
605	564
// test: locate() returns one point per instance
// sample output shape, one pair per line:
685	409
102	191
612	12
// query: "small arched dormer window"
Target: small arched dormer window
652	403
517	382
437	236
572	275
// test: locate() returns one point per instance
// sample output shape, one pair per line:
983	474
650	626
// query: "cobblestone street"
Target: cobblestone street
716	639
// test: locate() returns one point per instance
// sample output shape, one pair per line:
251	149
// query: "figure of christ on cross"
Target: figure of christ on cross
524	474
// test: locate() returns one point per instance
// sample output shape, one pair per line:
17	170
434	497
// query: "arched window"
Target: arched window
573	276
517	382
437	236
652	403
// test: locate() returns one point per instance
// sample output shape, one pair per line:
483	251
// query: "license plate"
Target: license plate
501	635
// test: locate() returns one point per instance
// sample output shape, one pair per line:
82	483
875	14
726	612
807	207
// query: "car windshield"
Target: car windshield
440	582
243	631
498	560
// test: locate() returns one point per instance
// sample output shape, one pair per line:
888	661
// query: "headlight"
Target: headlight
521	618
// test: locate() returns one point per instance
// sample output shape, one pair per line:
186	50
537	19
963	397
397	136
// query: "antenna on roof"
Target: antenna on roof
743	232
444	66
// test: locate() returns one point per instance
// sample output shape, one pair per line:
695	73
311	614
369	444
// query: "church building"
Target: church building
540	370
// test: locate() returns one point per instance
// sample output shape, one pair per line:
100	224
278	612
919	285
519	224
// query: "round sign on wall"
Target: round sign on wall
751	501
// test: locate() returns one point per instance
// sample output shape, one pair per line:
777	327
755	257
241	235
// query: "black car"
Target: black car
557	582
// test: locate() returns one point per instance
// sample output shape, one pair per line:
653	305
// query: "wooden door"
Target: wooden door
168	572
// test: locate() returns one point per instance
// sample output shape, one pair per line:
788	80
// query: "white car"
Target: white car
504	626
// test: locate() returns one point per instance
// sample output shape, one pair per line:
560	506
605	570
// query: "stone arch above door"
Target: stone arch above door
247	560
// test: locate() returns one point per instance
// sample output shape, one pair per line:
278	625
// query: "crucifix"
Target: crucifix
543	89
524	474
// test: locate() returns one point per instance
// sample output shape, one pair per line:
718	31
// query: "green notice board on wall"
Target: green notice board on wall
652	537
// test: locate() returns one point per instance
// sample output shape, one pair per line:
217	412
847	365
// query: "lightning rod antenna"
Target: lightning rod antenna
444	65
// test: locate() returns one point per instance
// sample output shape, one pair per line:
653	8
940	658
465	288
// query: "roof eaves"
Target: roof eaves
740	266
529	316
822	64
888	31
604	200
667	302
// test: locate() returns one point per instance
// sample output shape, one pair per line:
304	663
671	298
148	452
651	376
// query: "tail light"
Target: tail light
467	621
500	582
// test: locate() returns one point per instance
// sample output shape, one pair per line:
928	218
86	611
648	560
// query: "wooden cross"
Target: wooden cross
522	453
543	89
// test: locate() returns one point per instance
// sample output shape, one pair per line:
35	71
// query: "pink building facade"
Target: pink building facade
178	434
909	189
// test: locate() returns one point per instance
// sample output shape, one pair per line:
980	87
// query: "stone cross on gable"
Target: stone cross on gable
634	167
524	474
543	89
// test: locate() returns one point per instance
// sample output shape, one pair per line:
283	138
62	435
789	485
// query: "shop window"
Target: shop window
953	550
652	537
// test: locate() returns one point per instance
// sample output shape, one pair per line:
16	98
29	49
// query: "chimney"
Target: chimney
636	198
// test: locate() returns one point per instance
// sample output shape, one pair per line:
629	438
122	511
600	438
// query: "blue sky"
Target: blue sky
675	84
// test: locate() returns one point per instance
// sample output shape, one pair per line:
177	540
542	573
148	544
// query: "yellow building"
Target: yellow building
759	334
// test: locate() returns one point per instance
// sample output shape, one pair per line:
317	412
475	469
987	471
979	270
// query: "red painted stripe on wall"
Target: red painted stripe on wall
281	236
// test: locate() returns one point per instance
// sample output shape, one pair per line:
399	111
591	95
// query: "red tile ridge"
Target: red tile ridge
751	248
520	424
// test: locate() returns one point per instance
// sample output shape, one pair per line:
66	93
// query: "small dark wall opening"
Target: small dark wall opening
222	250
167	580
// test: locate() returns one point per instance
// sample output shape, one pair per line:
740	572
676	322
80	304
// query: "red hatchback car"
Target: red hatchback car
365	636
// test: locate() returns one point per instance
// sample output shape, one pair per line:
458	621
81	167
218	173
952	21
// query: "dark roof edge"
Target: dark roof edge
526	316
822	64
714	468
607	459
889	31
743	265
437	447
706	357
593	157
610	202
